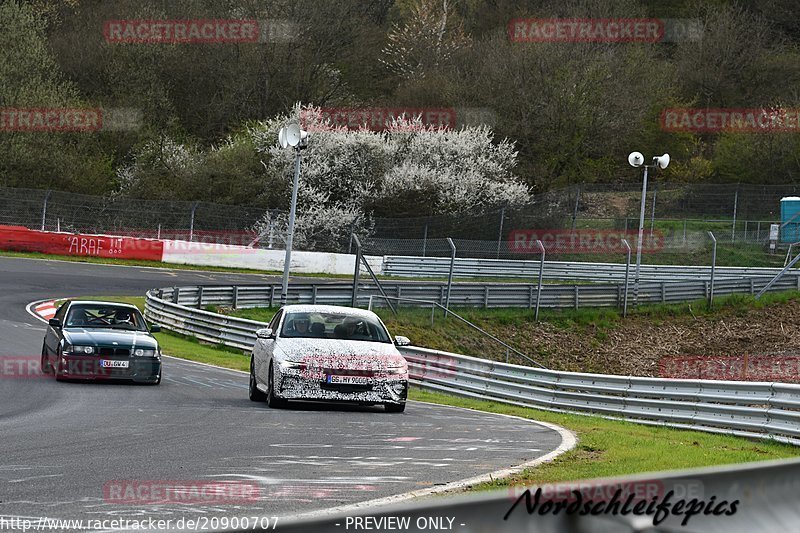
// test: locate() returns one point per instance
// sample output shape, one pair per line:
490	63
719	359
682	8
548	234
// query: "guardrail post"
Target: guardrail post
541	273
713	268
272	296
176	294
200	297
628	269
313	295
663	292
486	297
450	275
236	296
576	296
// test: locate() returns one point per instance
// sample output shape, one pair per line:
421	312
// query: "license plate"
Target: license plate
113	364
349	380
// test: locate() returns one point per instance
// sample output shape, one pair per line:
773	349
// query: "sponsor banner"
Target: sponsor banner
781	368
582	241
19	239
732	120
163	491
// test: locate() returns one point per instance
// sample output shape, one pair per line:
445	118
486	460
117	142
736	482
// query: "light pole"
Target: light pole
293	136
636	159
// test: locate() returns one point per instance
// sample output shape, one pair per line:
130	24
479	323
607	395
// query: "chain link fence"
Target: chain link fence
678	217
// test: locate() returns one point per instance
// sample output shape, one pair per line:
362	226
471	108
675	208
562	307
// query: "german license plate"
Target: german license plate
105	363
349	380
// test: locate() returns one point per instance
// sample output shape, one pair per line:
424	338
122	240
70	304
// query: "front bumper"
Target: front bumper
291	384
140	369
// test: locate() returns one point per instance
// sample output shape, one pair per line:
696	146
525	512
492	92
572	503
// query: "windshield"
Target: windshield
334	326
105	316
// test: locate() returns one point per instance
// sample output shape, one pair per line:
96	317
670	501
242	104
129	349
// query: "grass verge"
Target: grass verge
606	447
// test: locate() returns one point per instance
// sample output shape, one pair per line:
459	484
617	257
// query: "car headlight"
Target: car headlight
286	364
397	371
79	350
144	352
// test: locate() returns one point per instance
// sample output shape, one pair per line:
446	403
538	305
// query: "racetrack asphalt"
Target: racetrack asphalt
62	443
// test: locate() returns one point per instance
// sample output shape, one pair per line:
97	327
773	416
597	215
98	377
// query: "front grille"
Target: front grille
114	351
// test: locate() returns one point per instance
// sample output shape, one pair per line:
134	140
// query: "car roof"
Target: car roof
101	302
300	308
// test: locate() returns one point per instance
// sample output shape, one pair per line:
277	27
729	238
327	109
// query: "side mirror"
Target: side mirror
54	322
155	328
264	333
399	340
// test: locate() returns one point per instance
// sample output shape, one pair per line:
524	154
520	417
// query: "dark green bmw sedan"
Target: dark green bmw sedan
101	340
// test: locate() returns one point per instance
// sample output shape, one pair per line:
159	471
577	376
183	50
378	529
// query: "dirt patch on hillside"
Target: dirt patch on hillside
635	345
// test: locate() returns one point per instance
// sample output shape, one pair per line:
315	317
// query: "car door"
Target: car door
262	351
53	336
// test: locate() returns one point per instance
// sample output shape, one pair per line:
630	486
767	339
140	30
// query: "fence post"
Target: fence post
684	232
713	267
44	208
735	205
191	222
500	233
356	271
627	273
450	275
539	288
653	212
424	240
575	210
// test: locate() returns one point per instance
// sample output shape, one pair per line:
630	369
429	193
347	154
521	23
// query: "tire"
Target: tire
255	394
57	369
395	407
272	400
45	365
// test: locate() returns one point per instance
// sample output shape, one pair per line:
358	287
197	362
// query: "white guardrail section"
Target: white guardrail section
765	410
411	266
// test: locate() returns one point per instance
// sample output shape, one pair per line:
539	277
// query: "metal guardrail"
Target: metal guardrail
410	266
484	295
748	409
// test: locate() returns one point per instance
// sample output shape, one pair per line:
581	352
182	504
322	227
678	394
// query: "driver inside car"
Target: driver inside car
299	325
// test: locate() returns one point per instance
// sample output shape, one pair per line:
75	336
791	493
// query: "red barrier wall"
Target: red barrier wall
21	239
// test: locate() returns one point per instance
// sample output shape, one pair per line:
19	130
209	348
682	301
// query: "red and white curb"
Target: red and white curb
42	310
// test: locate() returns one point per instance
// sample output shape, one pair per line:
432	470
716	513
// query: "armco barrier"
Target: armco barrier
20	239
752	409
427	267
